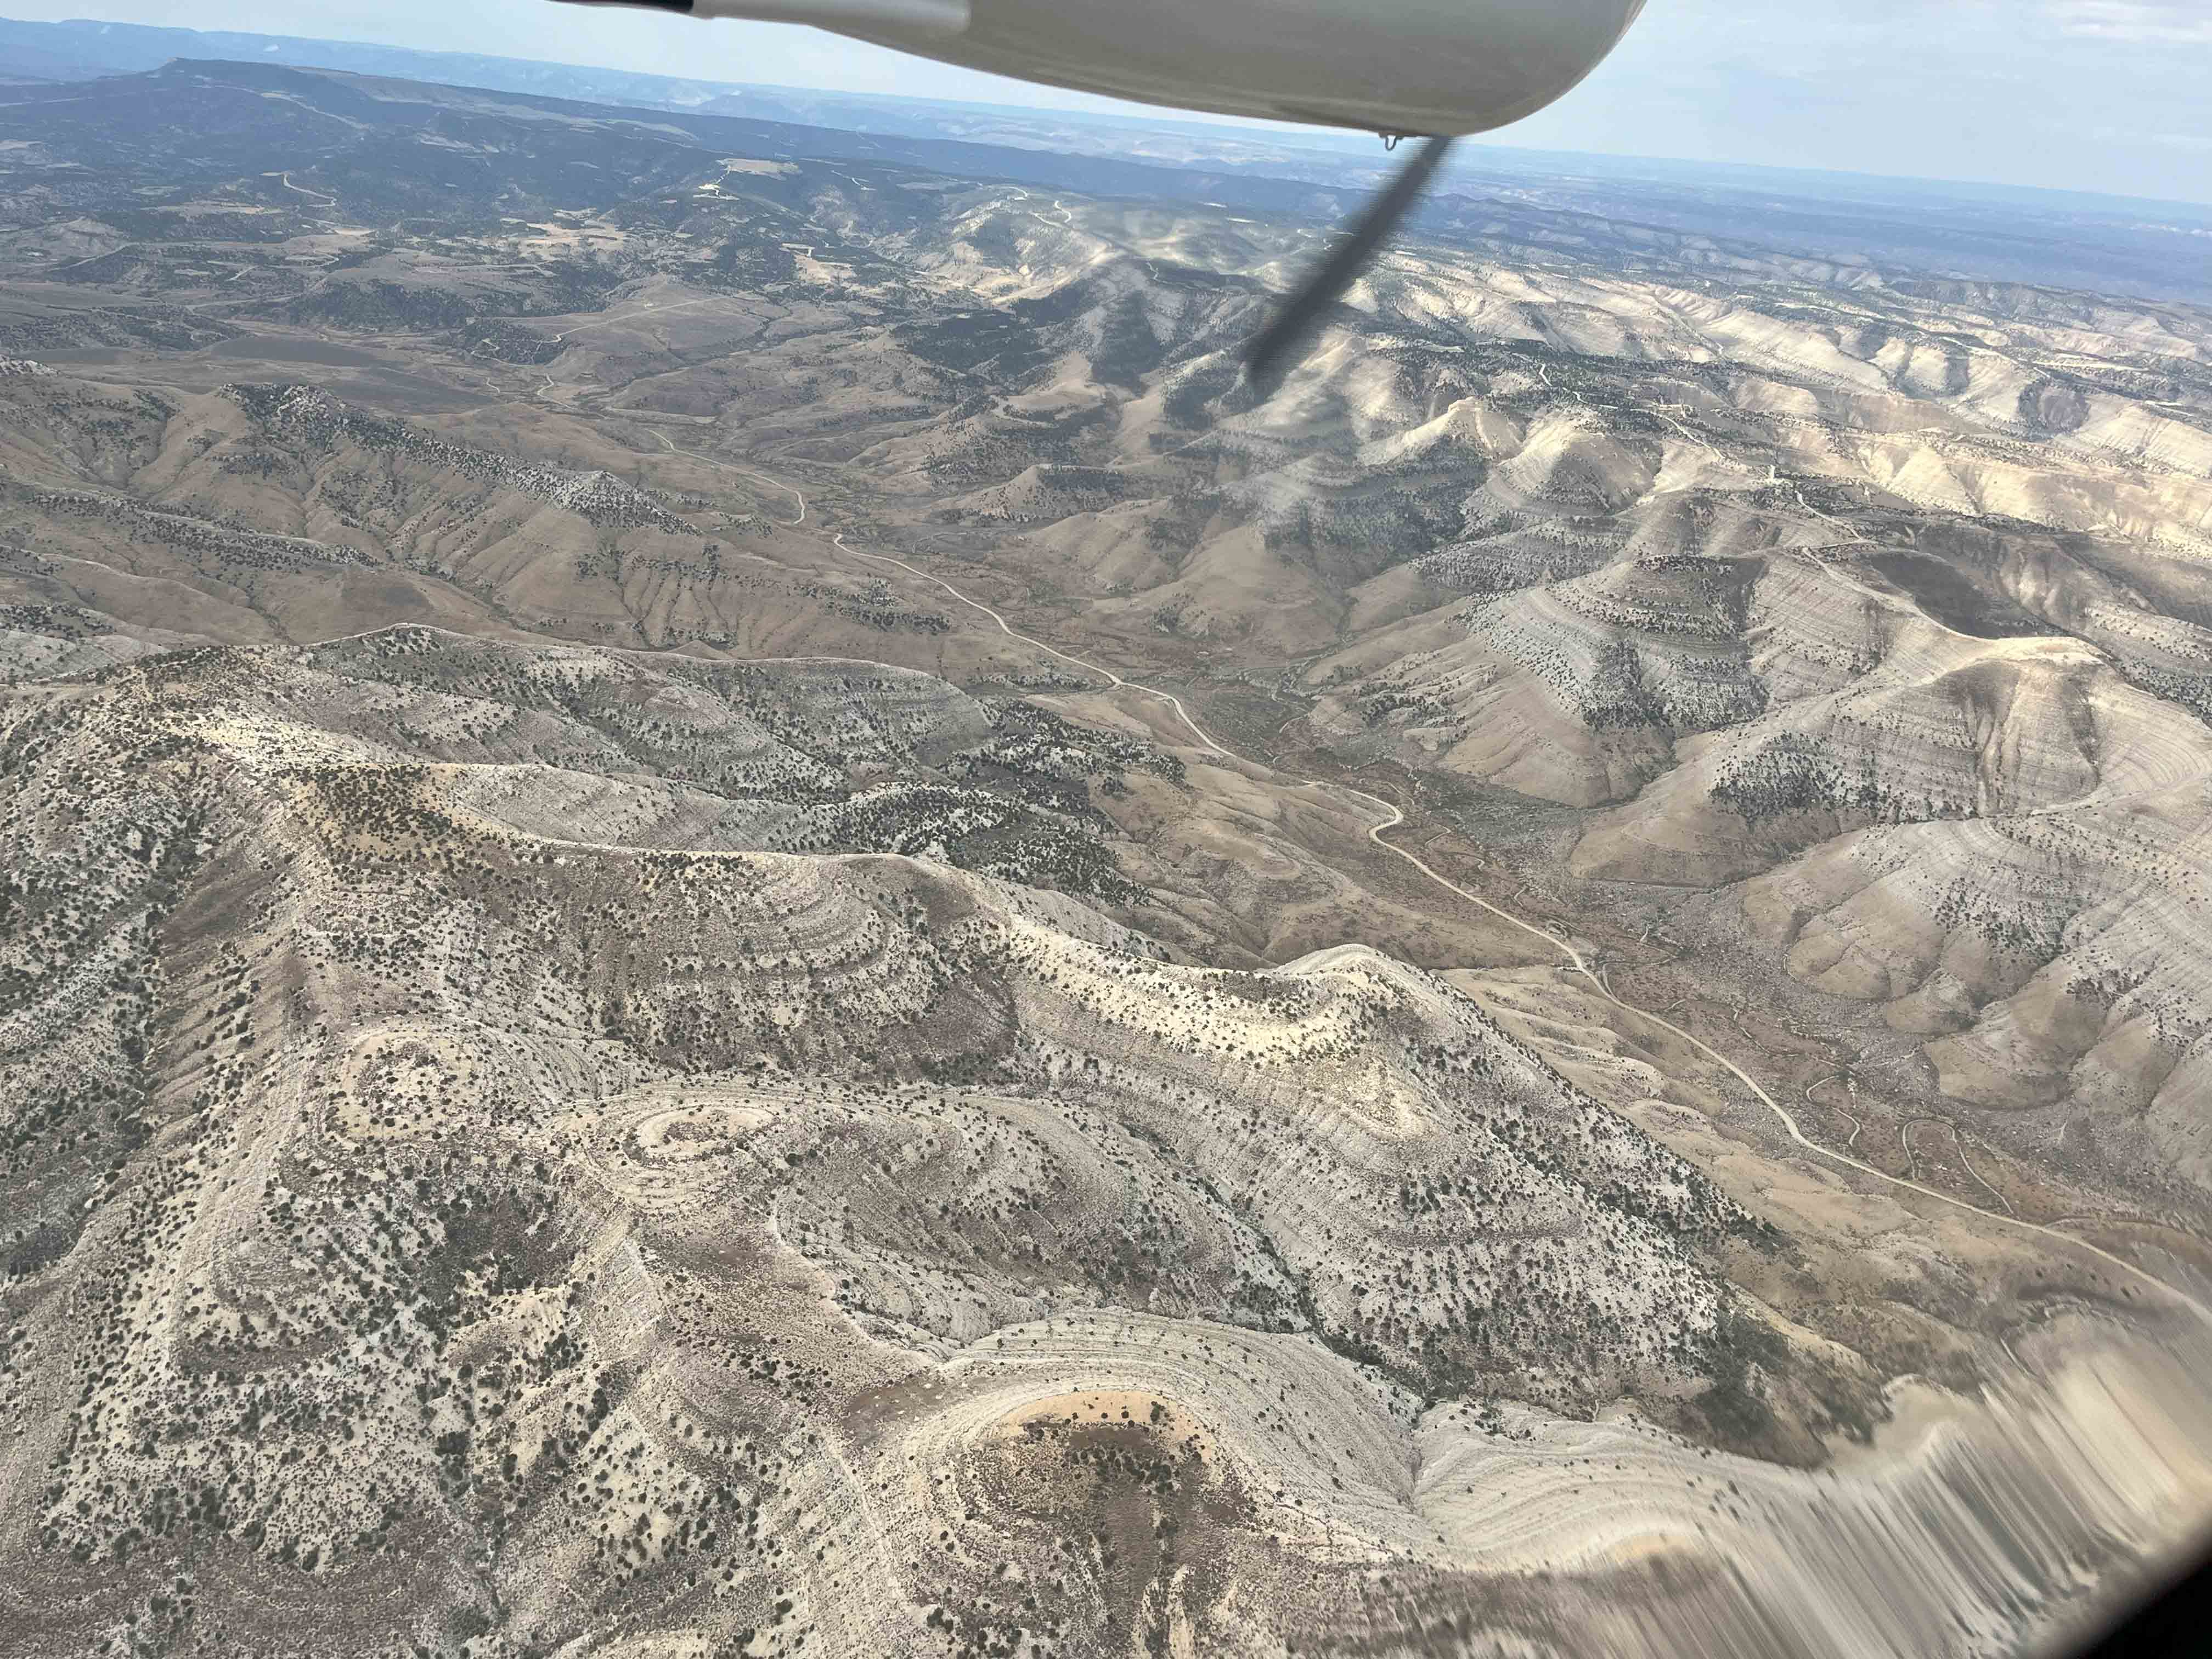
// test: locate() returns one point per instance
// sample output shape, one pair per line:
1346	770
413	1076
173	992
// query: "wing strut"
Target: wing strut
1279	345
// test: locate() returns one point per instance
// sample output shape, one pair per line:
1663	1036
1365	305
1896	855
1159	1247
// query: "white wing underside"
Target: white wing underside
860	16
1400	66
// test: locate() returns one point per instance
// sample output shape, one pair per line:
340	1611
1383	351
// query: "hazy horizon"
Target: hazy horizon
2085	95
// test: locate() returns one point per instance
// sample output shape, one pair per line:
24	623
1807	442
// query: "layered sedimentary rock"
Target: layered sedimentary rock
720	1246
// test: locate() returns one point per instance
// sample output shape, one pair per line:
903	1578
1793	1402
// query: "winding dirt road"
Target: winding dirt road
1577	964
327	201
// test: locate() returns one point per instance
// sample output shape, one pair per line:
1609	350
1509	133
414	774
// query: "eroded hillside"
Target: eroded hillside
737	918
779	1248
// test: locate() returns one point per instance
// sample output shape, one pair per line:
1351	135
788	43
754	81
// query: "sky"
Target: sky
2108	96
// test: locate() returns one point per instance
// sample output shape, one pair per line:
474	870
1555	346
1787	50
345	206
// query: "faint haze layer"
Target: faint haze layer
2073	240
2103	95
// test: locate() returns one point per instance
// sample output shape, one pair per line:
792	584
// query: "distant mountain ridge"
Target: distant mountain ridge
2152	250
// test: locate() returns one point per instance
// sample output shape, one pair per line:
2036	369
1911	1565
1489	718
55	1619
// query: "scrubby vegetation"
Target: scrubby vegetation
449	1189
